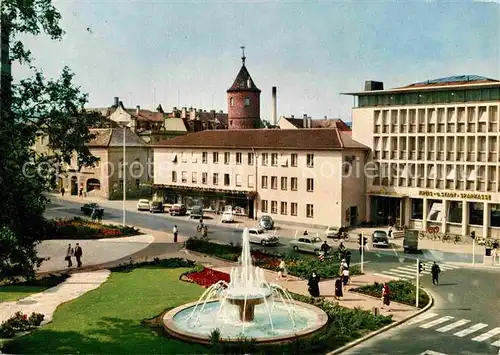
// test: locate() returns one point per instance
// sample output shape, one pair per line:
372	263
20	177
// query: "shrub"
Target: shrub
36	319
401	292
78	228
20	322
170	263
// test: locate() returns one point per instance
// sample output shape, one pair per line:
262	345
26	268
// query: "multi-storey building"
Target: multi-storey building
306	176
436	148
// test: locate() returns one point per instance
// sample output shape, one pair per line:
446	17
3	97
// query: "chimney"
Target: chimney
273	119
133	124
160	109
221	112
304	121
326	118
371	85
192	115
292	116
183	112
137	110
117	101
309	122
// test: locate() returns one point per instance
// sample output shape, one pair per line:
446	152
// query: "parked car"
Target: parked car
380	239
227	217
156	206
266	222
259	236
308	244
337	233
178	210
89	207
196	212
143	205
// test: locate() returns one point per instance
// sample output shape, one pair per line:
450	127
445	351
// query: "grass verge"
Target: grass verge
19	290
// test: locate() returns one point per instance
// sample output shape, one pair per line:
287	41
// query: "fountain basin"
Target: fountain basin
308	319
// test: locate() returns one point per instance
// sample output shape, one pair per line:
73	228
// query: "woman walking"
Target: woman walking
70	252
345	277
282	272
339	292
386	297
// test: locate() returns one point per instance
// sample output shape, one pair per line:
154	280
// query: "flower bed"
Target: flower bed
401	291
20	322
78	228
207	277
296	265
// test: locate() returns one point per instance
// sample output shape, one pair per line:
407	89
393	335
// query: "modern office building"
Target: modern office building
435	145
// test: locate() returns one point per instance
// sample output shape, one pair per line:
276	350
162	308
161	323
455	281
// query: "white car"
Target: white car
259	236
143	205
307	244
227	217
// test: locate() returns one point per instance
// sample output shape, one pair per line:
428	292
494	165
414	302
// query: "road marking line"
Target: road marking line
430	352
436	322
497	344
396	274
386	276
408	268
422	318
487	335
453	325
364	263
412	273
470	330
394	250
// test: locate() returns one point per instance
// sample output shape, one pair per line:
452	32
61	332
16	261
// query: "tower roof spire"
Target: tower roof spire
243	56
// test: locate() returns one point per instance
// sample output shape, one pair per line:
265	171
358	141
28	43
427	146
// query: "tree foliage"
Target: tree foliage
34	107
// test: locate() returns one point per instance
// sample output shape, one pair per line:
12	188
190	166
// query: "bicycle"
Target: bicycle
457	239
421	235
446	238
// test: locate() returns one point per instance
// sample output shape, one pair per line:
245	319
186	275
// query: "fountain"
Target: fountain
246	307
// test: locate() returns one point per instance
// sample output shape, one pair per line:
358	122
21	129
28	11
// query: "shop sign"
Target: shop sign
449	194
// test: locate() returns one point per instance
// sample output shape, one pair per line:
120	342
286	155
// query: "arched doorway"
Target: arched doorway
74	185
93	184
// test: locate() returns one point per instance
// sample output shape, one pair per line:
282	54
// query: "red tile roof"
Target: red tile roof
146	115
297	139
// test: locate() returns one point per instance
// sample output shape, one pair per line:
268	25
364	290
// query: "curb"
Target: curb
384	329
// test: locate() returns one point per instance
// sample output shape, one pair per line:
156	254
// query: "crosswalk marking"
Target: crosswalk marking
497	344
405	272
386	276
436	322
408	271
470	330
453	325
422	318
487	335
397	275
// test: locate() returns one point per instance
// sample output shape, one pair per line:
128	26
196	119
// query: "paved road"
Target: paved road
464	320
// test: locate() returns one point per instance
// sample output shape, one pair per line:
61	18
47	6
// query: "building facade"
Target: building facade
436	151
295	176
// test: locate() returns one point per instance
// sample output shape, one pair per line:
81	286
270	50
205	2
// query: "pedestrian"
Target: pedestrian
313	284
389	232
348	258
69	254
386	297
93	215
345	277
175	231
78	255
342	267
435	271
339	292
80	194
494	249
282	271
100	214
62	191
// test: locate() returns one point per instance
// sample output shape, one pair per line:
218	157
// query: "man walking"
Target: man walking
78	255
69	254
435	270
176	232
494	248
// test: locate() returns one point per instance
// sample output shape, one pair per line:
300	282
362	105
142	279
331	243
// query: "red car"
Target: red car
178	210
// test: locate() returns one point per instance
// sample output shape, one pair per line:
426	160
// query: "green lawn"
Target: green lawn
108	320
16	292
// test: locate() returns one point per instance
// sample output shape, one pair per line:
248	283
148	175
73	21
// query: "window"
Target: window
231	101
251	181
293	208
194	159
274	159
495	215
310	160
455	211
264	206
194	178
264	182
137	183
247	101
264	158
238	158
274	182
184	157
227	181
476	213
227	158
251	159
120	184
204	158
238	180
215	156
310	185
274	206
283	161
293	184
174	176
435	212
309	211
97	163
215	179
184	176
204	178
283	208
417	208
284	183
293	159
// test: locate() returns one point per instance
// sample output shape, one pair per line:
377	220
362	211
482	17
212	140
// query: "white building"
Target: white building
436	144
301	176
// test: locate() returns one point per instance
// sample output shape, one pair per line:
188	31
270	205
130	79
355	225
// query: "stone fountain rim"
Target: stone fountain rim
173	330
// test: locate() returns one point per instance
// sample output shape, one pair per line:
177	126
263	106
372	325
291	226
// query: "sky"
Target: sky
187	53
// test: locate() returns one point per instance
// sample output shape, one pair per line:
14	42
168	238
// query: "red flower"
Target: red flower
208	277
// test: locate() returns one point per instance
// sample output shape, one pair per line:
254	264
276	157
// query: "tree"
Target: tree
33	107
267	124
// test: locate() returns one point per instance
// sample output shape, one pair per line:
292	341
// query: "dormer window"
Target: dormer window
249	83
231	101
247	101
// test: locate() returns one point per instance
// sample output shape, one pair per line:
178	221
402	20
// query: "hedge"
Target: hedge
401	291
